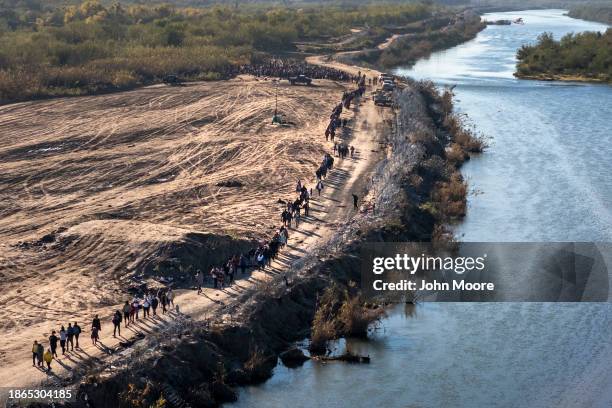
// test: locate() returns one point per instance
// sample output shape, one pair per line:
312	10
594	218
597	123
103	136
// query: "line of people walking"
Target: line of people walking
148	304
67	338
261	256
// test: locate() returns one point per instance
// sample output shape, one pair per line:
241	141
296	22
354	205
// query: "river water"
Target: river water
547	176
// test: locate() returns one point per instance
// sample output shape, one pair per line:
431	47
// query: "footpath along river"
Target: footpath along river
546	177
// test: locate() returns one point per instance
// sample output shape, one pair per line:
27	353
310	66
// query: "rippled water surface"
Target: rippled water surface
546	177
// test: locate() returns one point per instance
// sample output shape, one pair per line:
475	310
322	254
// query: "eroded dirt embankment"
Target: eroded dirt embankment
196	365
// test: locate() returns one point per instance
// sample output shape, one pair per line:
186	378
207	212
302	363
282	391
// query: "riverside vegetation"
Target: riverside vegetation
430	192
584	56
92	47
593	12
417	40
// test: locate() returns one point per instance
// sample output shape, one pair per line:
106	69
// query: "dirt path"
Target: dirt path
333	208
326	61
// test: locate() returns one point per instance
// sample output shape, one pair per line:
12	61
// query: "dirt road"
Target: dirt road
128	173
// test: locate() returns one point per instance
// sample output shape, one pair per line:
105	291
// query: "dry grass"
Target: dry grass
355	318
464	136
450	197
340	314
456	155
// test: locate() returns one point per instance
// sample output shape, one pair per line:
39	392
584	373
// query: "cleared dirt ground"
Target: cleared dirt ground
123	175
118	179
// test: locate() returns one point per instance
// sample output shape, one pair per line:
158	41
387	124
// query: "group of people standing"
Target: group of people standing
289	68
224	275
342	149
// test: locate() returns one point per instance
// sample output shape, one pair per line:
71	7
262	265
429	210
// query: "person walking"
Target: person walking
48	357
213	273
70	334
319	187
136	307
94	335
170	297
164	302
40	350
261	260
63	337
284	217
243	264
77	331
355	200
199	281
126	313
146	305
117	323
235	263
154	304
289	218
231	272
53	343
34	353
97	324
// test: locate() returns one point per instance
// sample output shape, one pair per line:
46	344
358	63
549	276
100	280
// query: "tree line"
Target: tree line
585	55
93	47
592	12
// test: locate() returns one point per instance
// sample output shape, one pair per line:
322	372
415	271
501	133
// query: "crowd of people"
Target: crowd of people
67	337
266	251
284	69
221	276
343	150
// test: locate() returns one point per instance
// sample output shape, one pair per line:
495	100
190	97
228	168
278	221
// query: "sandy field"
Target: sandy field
94	188
119	176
